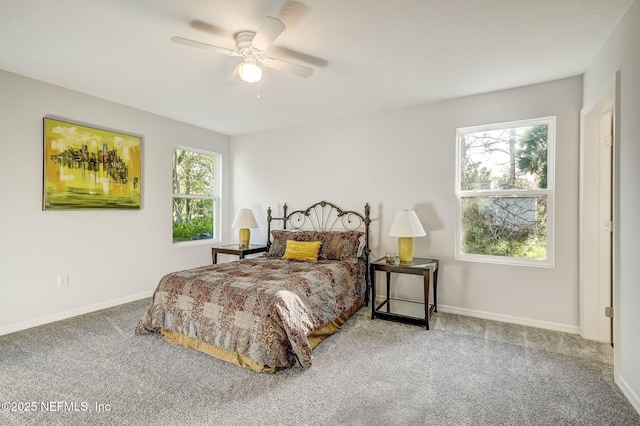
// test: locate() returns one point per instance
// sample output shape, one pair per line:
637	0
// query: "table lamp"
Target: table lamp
244	220
405	226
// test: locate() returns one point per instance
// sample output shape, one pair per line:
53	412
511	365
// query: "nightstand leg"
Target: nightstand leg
426	298
435	291
388	291
373	293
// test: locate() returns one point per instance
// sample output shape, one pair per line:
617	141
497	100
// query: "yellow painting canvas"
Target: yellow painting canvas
90	168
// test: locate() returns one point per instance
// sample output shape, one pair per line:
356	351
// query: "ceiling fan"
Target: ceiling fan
250	46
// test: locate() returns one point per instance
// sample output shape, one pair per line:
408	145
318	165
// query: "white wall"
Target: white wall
405	159
621	53
110	256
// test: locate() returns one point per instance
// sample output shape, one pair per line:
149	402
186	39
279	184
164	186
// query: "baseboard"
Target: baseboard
73	313
628	392
565	328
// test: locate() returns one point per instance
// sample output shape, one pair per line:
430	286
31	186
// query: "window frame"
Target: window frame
548	192
216	197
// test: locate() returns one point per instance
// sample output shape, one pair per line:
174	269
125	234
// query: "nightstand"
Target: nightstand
236	249
406	310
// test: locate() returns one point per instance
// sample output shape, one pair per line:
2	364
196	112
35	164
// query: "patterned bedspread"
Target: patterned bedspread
262	308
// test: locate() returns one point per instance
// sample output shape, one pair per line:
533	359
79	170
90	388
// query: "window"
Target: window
196	194
505	192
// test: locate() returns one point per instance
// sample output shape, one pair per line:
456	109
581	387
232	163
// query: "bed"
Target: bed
269	312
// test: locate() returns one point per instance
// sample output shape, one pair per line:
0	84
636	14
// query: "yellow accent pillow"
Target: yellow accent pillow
302	250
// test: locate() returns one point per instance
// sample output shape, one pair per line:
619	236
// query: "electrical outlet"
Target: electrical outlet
63	281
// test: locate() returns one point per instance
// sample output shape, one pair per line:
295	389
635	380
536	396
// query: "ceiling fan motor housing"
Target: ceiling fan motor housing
243	42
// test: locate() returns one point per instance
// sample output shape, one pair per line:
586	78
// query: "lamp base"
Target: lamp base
244	236
405	249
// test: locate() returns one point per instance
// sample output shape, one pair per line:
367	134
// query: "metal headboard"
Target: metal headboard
324	216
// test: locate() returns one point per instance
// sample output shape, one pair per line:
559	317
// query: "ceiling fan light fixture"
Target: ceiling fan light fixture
250	72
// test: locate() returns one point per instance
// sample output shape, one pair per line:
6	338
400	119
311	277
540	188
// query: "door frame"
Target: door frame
595	293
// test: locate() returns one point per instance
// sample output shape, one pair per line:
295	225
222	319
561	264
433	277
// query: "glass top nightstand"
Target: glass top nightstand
405	310
236	249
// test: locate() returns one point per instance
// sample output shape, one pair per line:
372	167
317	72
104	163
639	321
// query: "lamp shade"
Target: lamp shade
406	224
244	219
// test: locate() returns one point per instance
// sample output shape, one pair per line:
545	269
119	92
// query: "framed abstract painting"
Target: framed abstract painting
87	167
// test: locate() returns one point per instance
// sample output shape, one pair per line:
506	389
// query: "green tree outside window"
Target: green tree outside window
194	182
505	192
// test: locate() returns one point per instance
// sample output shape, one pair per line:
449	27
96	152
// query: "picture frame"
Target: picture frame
90	167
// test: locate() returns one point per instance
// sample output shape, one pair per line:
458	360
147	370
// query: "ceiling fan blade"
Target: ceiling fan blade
280	51
269	30
200	45
288	67
234	77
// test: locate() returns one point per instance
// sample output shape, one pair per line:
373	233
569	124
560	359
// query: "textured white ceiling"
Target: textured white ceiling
367	55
